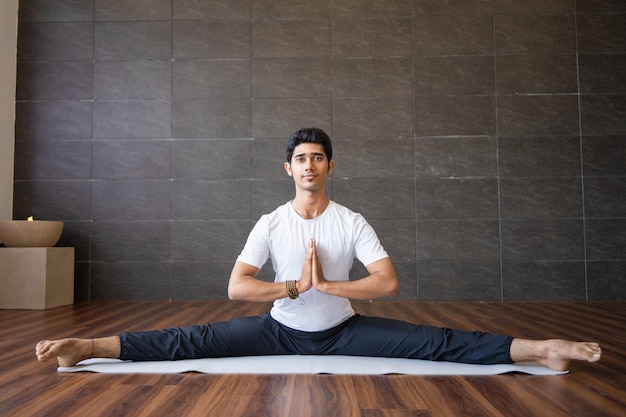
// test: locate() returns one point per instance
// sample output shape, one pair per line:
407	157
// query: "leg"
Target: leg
374	336
246	336
240	337
555	354
71	351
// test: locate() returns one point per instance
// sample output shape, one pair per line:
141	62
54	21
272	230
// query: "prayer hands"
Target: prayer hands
312	273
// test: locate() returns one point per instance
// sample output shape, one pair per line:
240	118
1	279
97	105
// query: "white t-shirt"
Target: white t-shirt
283	236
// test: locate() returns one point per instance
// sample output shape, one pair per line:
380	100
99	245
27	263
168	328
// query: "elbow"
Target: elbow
392	291
233	295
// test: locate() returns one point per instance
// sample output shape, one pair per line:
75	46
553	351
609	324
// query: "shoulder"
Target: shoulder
345	213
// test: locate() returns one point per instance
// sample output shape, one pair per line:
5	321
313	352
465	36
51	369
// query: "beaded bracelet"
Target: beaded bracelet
292	290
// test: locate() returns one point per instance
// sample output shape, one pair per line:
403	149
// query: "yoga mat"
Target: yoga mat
304	364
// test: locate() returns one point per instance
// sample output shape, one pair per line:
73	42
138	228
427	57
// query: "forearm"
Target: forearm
367	288
252	289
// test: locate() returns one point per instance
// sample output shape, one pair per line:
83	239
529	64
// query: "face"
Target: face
309	166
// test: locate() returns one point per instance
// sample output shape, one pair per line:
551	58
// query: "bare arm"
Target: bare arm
244	285
381	281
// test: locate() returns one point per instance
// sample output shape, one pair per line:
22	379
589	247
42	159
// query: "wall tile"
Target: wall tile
119	80
606	239
541	197
130	280
212	39
54	81
442	240
530	156
120	10
267	195
537	281
454	75
373	158
534	6
55	41
273	118
539	239
453	35
200	280
538	115
597	33
360	8
69	120
132	241
141	119
604	155
456	157
407	281
280	9
211	9
606	280
48	200
286	39
535	34
603	6
82	279
605	197
136	159
357	194
209	241
368	117
602	73
268	158
371	37
211	159
77	234
296	77
131	200
458	281
211	118
48	160
215	199
56	11
603	114
211	79
445	116
397	237
536	74
452	7
133	40
372	77
454	198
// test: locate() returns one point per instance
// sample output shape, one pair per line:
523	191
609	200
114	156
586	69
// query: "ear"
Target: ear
331	166
287	167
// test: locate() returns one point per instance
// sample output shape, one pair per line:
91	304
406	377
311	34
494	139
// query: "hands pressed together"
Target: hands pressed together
312	272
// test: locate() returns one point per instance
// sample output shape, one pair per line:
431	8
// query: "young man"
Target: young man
312	242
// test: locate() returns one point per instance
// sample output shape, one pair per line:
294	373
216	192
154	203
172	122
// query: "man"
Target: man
312	242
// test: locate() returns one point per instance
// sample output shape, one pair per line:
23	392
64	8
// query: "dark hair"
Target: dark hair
309	135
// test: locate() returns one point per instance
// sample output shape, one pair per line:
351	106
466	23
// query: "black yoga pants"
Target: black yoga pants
357	336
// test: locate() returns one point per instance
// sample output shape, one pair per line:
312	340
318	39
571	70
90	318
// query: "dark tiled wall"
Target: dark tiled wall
484	140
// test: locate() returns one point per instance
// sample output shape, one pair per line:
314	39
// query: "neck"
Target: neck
310	206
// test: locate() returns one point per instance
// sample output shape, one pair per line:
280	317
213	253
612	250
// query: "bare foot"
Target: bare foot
557	354
67	351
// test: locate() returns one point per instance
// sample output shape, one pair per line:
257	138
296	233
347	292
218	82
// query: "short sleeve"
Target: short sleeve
368	248
256	250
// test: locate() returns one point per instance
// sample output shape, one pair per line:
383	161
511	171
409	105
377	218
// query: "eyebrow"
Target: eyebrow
311	153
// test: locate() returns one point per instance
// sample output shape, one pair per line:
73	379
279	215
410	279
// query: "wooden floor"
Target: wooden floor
29	388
